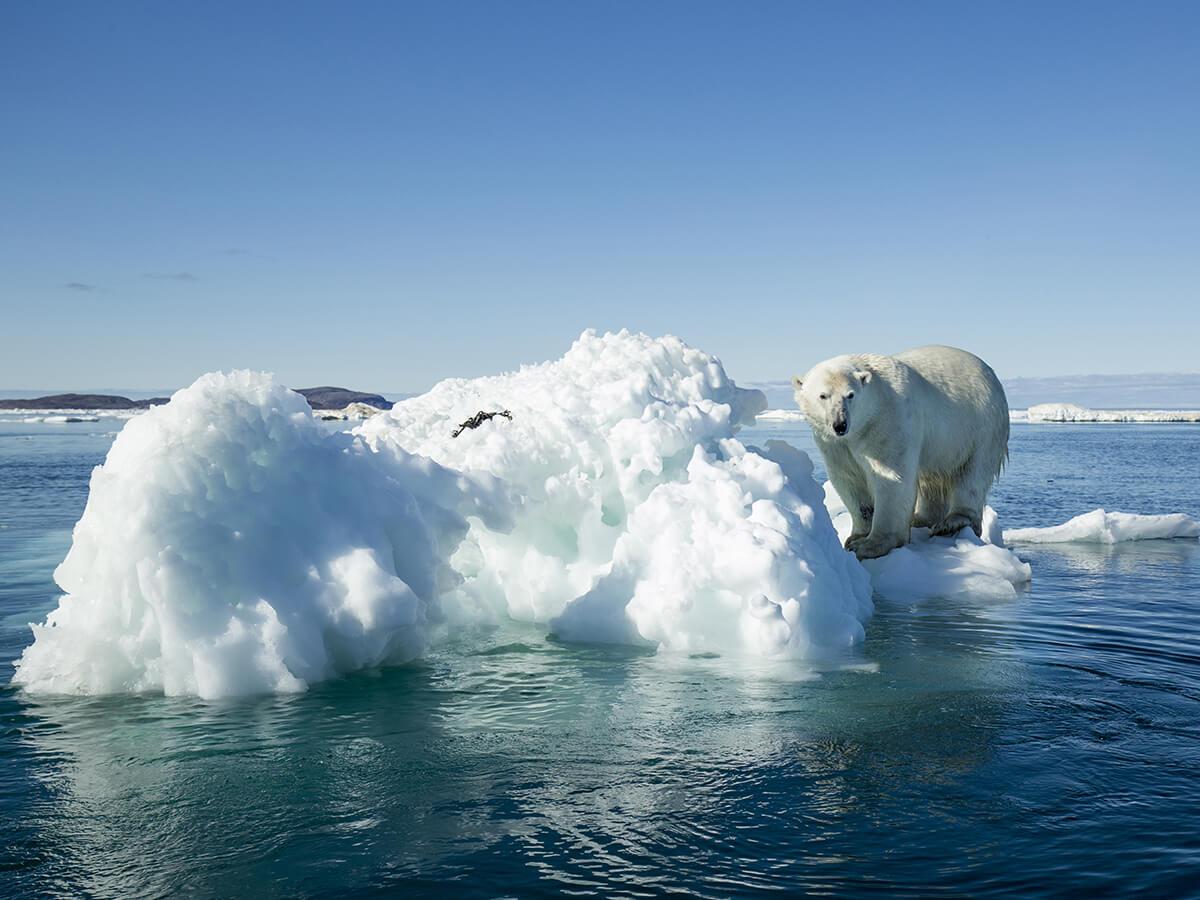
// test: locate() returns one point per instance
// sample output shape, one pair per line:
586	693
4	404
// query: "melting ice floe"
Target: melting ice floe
231	544
1101	527
63	416
941	566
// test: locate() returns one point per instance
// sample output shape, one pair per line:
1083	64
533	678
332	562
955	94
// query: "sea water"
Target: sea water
1046	744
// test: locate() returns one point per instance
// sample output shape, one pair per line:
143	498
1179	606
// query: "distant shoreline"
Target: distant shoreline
79	402
340	403
323	398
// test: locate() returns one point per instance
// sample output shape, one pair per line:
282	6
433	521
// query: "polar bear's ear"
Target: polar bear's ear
796	382
863	375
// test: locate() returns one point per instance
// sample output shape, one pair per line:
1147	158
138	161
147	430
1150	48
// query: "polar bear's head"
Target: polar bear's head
835	396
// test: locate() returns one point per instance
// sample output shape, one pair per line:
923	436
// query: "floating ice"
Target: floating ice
55	420
780	415
231	545
1100	527
350	411
941	566
61	420
641	518
61	416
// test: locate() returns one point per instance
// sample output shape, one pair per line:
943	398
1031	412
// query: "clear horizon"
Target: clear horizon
5	392
389	195
1147	390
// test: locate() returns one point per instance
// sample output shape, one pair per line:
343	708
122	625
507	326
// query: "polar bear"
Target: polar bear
914	439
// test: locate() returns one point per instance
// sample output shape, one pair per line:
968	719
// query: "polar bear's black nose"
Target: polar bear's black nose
840	427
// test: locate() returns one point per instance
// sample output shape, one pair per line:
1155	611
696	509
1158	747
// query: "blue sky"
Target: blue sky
382	195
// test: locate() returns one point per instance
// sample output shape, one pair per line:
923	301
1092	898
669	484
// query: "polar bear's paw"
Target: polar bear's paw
854	540
875	546
955	523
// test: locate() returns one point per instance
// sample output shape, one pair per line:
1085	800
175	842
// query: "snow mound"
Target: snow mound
941	566
1100	527
232	545
640	517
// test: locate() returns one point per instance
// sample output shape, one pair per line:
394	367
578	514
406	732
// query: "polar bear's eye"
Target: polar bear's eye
824	397
849	395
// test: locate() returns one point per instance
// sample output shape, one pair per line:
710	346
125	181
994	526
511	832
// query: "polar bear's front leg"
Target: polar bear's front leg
860	525
894	489
850	482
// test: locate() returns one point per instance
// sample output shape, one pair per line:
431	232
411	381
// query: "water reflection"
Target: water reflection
590	767
1056	729
1131	557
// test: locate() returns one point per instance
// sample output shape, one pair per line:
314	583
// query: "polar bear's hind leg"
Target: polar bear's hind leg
933	498
967	496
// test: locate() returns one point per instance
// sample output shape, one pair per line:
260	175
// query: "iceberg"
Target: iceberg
232	544
1101	527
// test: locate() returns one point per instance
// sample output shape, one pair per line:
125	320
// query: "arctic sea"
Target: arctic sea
1044	745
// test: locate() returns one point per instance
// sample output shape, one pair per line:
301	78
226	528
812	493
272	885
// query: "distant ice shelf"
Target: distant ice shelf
1069	412
1044	413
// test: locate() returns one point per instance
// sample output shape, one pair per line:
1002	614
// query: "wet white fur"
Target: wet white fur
927	434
